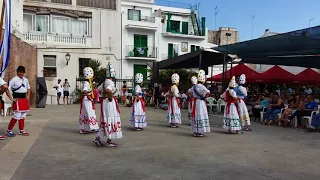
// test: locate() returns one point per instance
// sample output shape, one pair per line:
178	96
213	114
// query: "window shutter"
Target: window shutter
185	28
170	50
49	61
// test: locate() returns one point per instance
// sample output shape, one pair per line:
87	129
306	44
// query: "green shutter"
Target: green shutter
138	68
193	48
185	28
197	48
203	26
140	41
170	50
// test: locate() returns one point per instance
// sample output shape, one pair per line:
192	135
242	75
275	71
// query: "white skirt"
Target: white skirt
138	116
231	120
243	113
200	122
87	119
174	113
190	111
110	126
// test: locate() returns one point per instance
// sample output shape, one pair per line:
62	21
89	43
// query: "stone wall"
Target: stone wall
23	54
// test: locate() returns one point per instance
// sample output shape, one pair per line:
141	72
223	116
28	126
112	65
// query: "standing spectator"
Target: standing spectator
124	91
96	93
66	87
156	95
59	91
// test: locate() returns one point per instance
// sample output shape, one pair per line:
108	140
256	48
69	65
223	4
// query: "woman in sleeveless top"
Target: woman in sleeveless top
274	109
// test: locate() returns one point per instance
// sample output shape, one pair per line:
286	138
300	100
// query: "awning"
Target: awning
308	77
192	60
278	75
251	75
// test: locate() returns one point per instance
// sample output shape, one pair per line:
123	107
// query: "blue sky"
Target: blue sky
276	15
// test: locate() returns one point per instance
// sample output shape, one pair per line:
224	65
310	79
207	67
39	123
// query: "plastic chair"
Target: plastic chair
7	105
221	103
210	103
309	118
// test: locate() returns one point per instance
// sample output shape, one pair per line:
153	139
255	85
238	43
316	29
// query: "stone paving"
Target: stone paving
59	152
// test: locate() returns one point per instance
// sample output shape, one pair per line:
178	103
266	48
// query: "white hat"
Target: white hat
232	82
242	79
201	76
139	78
175	78
111	73
194	80
88	72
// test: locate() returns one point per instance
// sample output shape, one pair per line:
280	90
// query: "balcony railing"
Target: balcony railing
143	52
134	17
45	38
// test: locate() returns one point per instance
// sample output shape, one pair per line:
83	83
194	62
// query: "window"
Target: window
134	15
194	48
65	25
83	62
173	50
140	48
32	22
79	27
175	26
185	28
50	66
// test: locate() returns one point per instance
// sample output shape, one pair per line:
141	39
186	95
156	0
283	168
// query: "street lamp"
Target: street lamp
68	56
310	21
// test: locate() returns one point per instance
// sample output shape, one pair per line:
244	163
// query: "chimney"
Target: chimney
267	31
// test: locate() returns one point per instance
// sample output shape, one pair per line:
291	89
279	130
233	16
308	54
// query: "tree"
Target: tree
185	76
99	72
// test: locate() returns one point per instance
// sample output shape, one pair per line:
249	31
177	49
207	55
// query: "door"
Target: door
170	50
140	45
139	68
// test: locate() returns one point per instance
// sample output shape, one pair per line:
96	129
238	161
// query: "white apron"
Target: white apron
138	114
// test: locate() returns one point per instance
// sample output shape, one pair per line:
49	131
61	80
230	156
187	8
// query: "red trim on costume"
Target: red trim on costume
229	101
171	104
22	104
142	104
193	114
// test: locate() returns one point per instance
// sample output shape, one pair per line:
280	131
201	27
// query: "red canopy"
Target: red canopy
251	75
308	76
278	75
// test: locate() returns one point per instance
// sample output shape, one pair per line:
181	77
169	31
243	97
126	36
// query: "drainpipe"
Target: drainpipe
121	49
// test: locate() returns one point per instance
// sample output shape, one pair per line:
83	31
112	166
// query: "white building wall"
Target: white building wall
16	18
105	46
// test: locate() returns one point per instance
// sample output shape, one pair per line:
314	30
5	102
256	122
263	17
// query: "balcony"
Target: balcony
57	39
141	53
141	22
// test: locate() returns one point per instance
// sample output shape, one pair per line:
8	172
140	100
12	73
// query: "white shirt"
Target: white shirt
308	91
86	87
108	85
201	89
59	88
175	91
66	86
2	82
16	82
137	89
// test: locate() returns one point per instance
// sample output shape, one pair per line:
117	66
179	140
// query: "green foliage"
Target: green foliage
99	72
185	76
77	94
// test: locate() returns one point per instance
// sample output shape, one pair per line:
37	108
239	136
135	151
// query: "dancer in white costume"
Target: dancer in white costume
200	118
174	113
231	120
194	81
87	119
242	107
110	123
138	112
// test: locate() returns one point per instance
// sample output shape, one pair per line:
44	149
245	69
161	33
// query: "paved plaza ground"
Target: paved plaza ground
55	150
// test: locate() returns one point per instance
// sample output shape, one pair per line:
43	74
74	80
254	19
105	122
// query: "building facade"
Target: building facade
68	34
158	31
225	35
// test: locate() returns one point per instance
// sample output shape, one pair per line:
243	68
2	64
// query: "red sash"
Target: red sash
22	104
93	107
115	100
193	114
229	101
142	104
190	103
171	104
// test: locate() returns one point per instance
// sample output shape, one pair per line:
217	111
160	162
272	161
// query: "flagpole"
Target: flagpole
2	17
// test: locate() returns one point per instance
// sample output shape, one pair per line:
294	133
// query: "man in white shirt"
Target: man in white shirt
59	90
21	93
66	87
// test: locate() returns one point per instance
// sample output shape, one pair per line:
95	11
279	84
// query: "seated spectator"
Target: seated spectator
261	103
274	109
292	107
310	106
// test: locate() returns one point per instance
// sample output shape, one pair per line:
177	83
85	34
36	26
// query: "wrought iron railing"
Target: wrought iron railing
141	51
